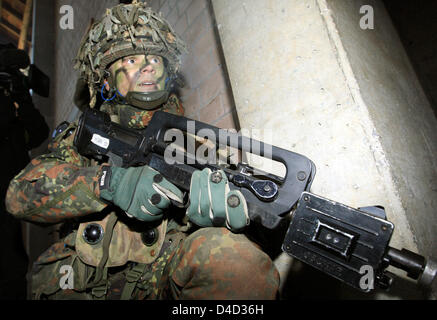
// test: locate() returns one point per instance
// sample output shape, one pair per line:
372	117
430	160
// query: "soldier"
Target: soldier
22	128
130	243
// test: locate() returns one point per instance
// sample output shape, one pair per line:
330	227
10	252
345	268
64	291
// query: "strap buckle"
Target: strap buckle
100	291
134	274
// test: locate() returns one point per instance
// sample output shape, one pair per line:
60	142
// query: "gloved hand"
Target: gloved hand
212	203
142	192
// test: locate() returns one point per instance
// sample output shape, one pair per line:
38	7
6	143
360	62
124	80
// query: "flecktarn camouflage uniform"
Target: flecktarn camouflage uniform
109	255
210	263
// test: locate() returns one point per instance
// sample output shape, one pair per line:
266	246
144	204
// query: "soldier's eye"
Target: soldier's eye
154	60
129	60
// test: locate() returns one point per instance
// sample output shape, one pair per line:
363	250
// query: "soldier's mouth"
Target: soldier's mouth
147	85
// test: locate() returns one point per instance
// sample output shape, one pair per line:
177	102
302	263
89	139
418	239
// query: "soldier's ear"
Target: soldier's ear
107	80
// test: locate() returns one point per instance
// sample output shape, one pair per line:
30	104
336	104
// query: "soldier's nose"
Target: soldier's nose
147	68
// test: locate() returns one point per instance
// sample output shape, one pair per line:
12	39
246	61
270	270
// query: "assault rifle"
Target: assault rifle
343	242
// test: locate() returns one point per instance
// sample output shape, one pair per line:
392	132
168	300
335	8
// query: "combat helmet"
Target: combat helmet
128	29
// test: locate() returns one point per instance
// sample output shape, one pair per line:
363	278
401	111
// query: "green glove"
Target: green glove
142	192
213	204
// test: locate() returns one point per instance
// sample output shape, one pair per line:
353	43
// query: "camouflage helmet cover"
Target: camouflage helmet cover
126	30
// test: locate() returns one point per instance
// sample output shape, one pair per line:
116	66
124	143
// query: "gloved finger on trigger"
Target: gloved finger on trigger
166	195
237	216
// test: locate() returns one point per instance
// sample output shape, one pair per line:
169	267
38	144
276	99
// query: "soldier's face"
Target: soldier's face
139	73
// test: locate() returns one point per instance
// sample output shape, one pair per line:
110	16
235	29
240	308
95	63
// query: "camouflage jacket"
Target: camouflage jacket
63	185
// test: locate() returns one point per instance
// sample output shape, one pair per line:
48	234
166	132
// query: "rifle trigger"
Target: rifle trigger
184	205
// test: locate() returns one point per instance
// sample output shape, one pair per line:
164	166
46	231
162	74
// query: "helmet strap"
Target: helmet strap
147	101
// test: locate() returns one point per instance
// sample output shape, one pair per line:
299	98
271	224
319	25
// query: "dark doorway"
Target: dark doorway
416	24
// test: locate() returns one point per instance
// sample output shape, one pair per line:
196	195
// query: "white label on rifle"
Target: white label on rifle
100	141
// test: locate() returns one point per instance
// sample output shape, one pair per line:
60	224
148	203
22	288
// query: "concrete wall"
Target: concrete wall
403	119
67	43
206	96
346	98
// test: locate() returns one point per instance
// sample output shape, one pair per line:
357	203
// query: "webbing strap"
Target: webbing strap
99	284
132	277
99	291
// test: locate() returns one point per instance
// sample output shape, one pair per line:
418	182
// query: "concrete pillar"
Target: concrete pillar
345	97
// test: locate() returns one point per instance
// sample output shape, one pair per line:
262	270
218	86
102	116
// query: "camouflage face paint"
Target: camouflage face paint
139	73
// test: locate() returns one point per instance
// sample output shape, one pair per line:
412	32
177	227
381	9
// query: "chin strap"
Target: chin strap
143	100
136	118
147	101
